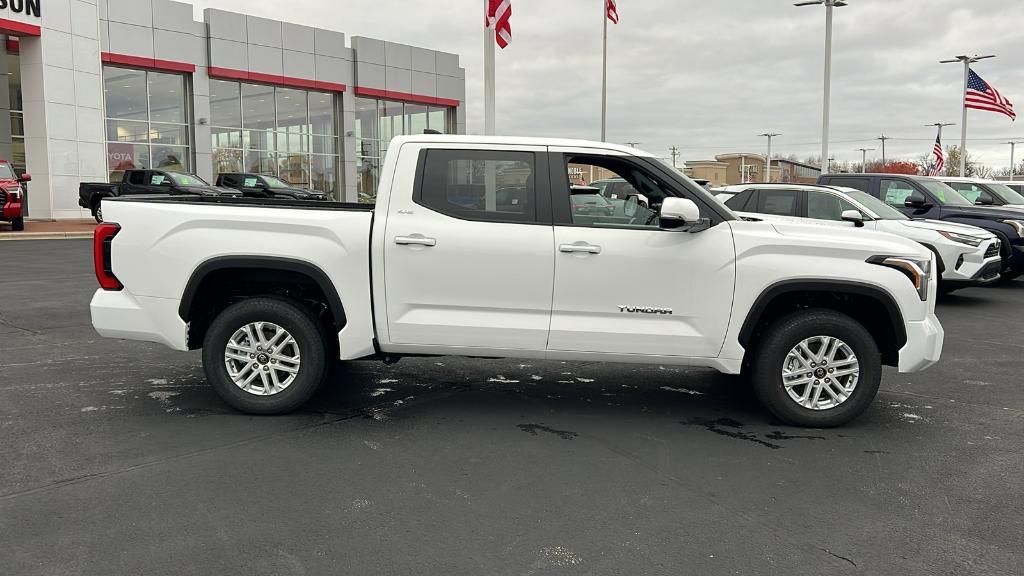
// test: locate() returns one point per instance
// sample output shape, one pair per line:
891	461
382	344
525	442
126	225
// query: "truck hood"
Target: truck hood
940	225
850	240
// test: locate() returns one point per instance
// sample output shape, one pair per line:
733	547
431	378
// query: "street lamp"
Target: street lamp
768	158
829	5
967	60
864	158
1013	146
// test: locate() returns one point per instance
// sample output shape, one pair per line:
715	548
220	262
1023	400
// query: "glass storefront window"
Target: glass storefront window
225	104
377	122
147	120
287	133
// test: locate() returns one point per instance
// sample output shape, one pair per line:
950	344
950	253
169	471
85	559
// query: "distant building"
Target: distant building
729	169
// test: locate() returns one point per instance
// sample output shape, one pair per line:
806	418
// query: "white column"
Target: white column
62	91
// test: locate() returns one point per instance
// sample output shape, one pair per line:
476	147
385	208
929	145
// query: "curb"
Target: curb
12	236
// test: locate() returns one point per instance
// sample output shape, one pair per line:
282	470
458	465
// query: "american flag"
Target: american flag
498	14
613	12
982	96
940	158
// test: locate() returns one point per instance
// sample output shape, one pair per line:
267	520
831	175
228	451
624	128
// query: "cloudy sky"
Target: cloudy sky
709	76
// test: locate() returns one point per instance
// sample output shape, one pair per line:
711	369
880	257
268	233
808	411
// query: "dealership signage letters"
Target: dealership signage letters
26	7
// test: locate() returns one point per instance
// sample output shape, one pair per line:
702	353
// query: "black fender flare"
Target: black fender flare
839	286
263	263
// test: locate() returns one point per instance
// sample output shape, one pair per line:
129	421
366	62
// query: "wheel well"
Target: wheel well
875	310
217	285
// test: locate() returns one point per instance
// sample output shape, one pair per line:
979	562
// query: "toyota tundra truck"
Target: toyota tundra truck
475	248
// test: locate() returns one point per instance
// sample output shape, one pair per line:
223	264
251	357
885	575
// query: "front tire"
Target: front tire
18	224
265	356
816	368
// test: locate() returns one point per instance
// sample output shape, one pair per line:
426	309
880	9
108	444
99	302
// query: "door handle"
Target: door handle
579	247
415	240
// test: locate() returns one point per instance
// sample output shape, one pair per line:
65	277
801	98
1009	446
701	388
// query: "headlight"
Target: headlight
916	270
1018	225
962	238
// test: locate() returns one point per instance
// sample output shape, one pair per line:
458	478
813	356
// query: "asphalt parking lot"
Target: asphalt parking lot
117	459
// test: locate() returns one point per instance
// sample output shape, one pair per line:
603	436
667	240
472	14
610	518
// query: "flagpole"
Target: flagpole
963	127
489	87
604	73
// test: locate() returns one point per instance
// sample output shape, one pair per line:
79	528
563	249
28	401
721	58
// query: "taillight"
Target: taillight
101	242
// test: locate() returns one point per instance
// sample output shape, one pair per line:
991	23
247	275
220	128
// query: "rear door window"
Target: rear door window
137	178
483	185
778	202
861	184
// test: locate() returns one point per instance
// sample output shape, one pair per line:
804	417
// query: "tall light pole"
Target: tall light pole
1013	146
829	5
675	154
864	158
768	158
967	61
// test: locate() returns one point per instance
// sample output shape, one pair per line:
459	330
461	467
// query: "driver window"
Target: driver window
895	193
609	192
824	206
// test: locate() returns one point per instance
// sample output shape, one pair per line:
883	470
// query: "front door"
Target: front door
623	286
468	259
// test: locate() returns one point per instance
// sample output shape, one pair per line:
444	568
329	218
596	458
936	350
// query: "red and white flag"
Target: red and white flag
613	11
940	158
498	14
982	96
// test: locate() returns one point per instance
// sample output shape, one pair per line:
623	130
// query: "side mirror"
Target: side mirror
26	177
916	200
984	199
679	214
853	216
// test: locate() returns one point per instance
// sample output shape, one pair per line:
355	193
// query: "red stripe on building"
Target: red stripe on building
15	28
285	81
405	97
147	63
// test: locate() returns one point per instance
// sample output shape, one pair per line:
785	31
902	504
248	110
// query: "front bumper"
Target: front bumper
924	344
11	210
120	314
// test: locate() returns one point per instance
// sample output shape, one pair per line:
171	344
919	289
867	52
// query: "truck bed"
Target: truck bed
252	202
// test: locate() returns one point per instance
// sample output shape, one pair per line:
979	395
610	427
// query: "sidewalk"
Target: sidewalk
60	230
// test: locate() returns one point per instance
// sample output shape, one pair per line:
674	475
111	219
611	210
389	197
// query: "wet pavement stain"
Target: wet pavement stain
532	429
728	427
779	435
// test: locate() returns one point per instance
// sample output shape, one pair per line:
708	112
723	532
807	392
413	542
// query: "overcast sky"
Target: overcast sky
709	76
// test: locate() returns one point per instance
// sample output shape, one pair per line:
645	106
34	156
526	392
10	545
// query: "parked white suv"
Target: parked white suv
475	248
966	255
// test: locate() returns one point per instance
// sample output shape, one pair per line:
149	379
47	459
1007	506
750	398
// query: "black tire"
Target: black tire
308	337
18	224
97	213
787	333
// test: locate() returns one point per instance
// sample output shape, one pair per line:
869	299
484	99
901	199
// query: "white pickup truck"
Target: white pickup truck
476	248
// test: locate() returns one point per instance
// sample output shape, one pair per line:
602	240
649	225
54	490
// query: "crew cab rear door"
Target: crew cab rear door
624	286
469	254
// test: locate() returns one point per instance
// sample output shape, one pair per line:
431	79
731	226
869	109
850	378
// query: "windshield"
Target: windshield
274	182
6	173
946	195
881	209
186	179
1009	195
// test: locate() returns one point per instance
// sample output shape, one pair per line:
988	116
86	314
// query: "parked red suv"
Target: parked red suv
11	196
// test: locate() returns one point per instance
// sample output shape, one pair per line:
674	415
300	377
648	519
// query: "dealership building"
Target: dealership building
96	87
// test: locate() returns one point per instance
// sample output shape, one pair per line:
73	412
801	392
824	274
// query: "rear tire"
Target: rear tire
18	224
833	394
265	356
97	213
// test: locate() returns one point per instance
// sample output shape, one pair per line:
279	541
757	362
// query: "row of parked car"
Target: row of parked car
974	227
170	183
